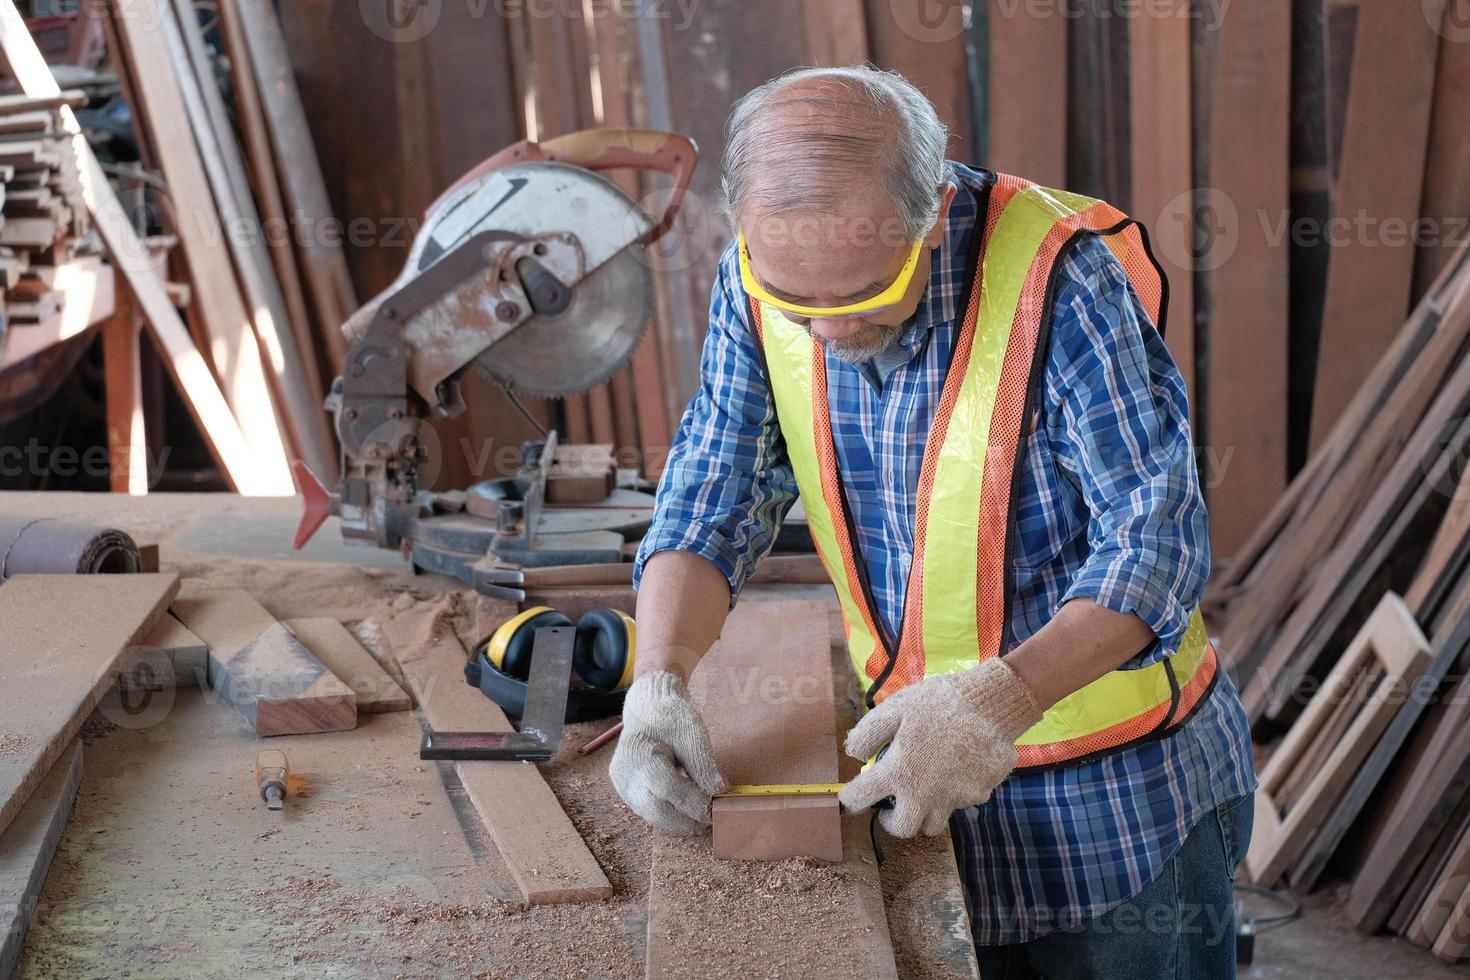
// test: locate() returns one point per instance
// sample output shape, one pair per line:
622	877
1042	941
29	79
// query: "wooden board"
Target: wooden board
1446	198
293	373
300	174
1379	181
1393	640
261	669
546	856
772	720
1249	170
57	666
234	350
26	849
170	656
190	372
1161	179
1439	902
331	643
698	905
1026	93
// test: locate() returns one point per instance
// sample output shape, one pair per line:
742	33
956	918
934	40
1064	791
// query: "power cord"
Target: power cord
1246	929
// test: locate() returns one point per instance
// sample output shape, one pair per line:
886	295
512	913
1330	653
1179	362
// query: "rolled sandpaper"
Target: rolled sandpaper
50	546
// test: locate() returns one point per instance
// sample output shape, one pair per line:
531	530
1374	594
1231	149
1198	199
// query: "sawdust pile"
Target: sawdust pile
396	933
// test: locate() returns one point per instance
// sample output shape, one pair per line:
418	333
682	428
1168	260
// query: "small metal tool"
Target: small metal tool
541	725
271	774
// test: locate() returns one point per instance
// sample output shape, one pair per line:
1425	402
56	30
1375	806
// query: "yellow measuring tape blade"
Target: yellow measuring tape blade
785	789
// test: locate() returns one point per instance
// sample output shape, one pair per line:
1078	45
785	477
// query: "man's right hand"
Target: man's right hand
664	766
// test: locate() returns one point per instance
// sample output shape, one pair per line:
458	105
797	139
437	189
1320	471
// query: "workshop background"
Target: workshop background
1303	167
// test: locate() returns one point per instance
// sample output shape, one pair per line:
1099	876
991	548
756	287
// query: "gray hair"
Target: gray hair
868	116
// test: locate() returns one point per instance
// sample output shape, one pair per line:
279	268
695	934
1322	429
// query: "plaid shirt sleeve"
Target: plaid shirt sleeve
728	483
1117	418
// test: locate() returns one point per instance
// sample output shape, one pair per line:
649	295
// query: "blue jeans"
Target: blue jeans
1182	925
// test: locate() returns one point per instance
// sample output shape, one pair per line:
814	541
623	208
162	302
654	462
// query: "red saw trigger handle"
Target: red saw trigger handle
318	503
609	149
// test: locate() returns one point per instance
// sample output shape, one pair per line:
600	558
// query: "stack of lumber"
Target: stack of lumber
45	220
1346	619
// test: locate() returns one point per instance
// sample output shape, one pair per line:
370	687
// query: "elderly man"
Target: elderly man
960	374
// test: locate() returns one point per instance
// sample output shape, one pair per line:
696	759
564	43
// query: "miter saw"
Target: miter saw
533	269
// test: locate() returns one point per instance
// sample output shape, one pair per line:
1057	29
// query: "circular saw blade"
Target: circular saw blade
587	343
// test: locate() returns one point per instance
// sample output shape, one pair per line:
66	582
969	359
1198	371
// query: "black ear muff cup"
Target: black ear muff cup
603	653
509	647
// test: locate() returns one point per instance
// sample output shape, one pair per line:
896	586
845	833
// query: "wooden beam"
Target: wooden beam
1446	198
299	171
542	849
772	720
242	468
331	643
170	656
1026	91
26	849
293	372
234	350
1380	177
127	439
1162	183
260	668
56	666
1249	176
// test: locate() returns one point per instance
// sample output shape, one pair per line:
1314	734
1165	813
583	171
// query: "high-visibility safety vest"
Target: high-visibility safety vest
958	601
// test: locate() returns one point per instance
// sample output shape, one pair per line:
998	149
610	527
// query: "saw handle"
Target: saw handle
609	149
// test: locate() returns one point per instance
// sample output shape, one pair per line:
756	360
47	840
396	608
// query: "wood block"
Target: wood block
148	556
772	720
331	643
542	849
26	849
56	666
170	656
264	671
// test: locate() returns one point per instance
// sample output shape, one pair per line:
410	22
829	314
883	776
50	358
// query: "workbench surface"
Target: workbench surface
380	867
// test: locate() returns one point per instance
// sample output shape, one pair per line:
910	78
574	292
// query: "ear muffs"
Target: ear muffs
603	654
509	647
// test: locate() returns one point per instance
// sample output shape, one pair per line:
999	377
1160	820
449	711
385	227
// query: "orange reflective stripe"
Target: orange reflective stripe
1155	720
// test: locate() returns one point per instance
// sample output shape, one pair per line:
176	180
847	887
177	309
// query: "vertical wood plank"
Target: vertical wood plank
1249	176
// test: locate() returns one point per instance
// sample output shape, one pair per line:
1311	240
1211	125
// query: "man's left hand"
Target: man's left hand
951	740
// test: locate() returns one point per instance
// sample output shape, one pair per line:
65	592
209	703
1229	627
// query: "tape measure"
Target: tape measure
786	789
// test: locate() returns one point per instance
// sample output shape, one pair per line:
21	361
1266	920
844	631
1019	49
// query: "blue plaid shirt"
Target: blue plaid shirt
1109	509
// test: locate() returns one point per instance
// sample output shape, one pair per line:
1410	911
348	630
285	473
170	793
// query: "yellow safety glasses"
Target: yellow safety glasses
874	304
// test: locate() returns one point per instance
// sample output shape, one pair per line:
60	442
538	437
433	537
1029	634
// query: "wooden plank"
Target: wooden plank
26	849
244	471
1162	183
1026	93
170	656
1249	168
546	856
836	33
299	171
1449	646
1379	182
772	720
698	905
234	350
1446	198
1454	939
293	372
331	643
56	666
11	104
1440	901
127	439
265	189
1393	639
260	668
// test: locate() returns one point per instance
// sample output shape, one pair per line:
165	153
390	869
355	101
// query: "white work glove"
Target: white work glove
951	740
664	766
